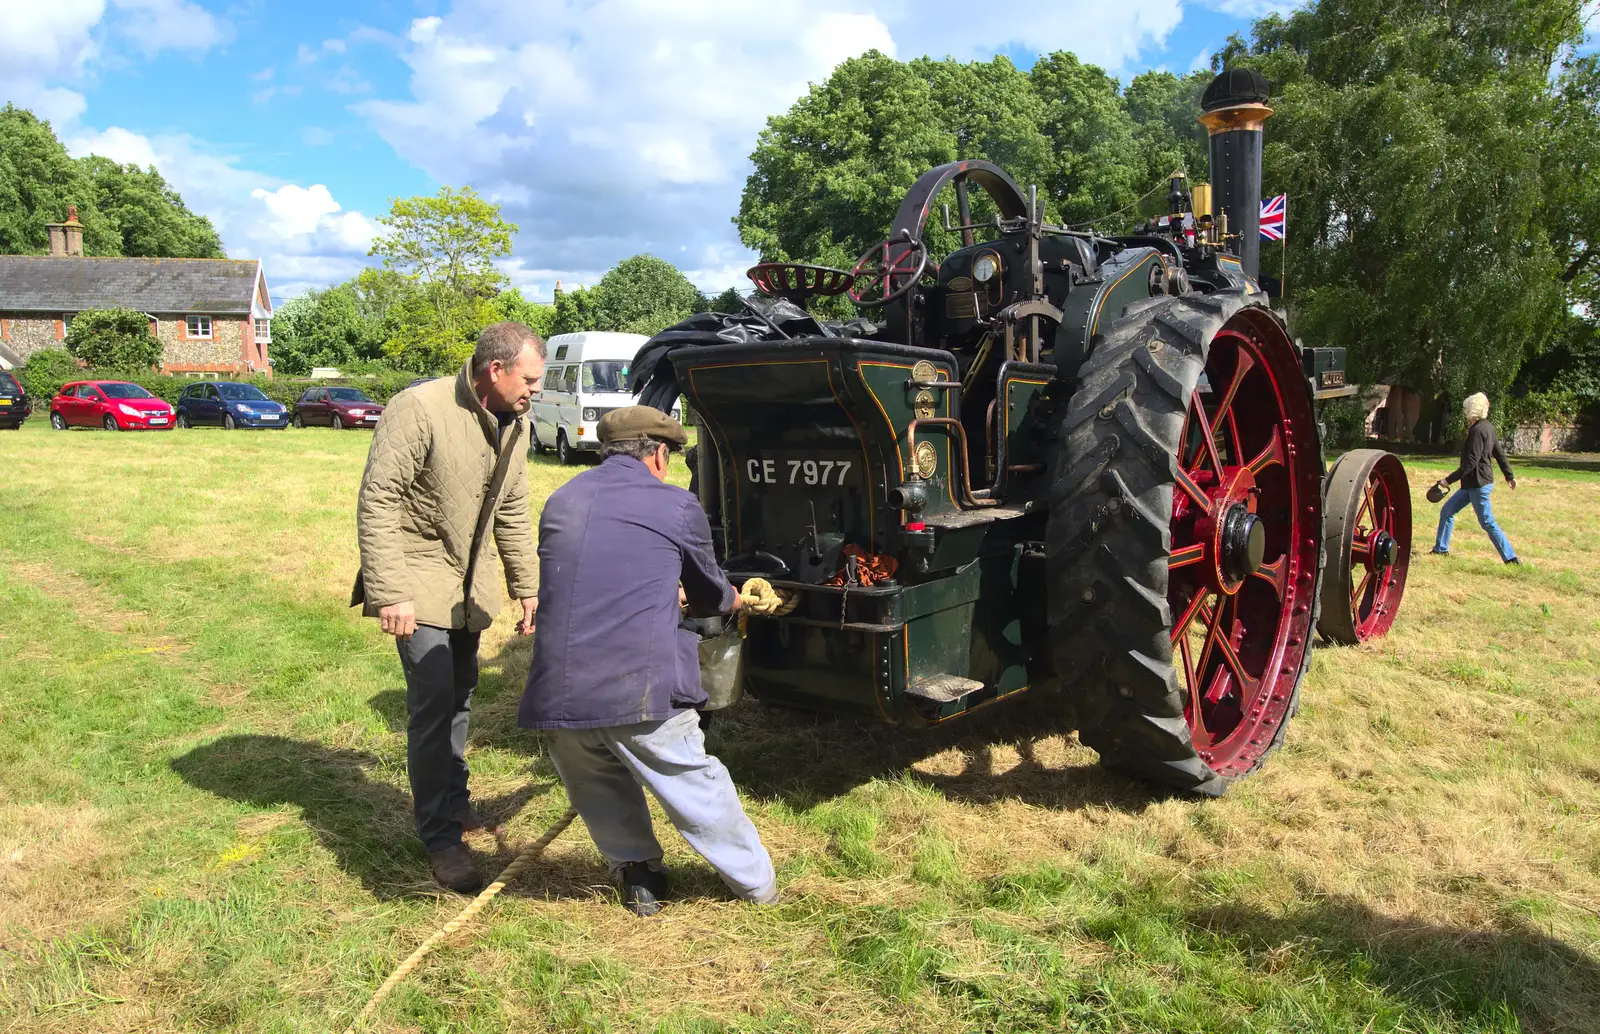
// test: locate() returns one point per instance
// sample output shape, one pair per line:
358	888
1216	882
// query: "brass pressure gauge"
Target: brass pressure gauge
985	266
924	371
927	461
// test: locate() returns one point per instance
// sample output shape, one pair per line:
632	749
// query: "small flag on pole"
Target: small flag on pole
1273	210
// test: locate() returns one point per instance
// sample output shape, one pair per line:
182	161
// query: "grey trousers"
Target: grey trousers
604	770
441	666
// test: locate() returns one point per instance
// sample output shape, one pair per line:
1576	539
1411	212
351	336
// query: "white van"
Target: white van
585	377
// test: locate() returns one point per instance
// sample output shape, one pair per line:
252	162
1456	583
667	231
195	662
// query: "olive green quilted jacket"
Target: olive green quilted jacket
422	520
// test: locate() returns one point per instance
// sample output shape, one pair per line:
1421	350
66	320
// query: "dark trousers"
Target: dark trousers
441	666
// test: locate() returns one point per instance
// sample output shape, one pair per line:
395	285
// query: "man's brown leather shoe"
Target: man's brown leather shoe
454	869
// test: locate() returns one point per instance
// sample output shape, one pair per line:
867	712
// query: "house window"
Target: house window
263	332
199	326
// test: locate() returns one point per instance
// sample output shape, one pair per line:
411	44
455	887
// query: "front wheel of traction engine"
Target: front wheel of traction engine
1184	540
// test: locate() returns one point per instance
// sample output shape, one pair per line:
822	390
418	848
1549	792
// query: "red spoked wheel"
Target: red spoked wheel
1367	537
1244	550
891	267
1183	550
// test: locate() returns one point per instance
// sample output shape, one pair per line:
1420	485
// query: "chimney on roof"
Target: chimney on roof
66	239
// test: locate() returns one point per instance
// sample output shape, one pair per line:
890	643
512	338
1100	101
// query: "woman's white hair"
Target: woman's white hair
1476	407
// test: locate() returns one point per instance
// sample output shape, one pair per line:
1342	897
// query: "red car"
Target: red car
337	407
113	405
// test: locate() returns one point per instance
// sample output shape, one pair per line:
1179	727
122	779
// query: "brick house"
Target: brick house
212	316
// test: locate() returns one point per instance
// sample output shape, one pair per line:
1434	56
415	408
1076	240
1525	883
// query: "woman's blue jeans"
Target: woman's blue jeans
1479	499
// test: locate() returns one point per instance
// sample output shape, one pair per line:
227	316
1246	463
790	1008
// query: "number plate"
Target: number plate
158	420
802	471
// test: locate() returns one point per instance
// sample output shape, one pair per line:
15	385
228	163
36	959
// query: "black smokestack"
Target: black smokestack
1234	109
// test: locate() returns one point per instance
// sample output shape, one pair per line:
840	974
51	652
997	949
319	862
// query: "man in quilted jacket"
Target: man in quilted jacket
446	470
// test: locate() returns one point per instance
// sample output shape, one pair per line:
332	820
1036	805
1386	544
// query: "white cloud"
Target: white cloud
1251	9
157	25
45	43
303	236
622	126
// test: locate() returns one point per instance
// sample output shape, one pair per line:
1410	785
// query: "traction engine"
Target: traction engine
1050	460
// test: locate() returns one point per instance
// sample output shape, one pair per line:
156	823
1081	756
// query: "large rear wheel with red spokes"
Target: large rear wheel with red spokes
1184	543
1367	538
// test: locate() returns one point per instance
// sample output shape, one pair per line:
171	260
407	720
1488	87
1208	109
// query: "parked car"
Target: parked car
229	404
336	407
113	405
14	404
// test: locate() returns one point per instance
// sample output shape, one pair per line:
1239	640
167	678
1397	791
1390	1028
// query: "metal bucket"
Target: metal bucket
721	664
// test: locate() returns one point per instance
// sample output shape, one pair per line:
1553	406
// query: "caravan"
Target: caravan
585	377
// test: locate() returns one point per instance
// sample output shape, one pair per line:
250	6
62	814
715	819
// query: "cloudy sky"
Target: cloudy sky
604	127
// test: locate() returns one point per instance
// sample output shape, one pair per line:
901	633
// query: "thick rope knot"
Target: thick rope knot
760	598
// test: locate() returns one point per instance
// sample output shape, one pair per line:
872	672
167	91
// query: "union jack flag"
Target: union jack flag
1273	209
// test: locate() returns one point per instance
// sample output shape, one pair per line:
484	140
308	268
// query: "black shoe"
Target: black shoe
643	888
1436	551
453	869
1514	560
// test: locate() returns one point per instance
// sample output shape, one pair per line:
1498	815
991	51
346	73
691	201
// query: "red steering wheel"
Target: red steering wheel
891	267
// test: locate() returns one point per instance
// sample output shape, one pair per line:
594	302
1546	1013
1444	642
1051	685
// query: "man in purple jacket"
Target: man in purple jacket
615	680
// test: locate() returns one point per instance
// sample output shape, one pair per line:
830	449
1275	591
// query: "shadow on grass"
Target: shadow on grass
1488	976
806	758
365	823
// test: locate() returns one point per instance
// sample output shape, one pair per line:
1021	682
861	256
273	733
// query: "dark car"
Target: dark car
229	404
14	404
337	408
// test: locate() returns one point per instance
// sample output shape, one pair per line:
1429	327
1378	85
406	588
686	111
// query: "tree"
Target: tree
445	245
1412	139
575	311
511	305
38	180
831	171
117	339
125	211
147	216
643	295
730	301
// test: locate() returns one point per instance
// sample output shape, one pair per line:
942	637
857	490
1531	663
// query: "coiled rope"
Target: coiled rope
518	866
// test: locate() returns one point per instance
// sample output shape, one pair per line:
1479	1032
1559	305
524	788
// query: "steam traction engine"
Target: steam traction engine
1050	459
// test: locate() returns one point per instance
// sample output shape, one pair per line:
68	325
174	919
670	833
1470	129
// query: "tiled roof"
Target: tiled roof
32	283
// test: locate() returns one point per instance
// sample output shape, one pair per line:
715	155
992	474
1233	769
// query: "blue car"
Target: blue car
229	404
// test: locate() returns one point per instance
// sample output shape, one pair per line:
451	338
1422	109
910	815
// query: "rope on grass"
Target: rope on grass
518	866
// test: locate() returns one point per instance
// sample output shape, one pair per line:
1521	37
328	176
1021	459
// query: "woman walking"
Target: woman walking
1477	481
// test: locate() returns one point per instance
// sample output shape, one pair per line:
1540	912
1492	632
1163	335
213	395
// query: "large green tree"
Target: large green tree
146	214
1437	194
830	172
125	210
644	295
445	247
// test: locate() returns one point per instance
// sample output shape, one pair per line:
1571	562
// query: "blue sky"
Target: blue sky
604	127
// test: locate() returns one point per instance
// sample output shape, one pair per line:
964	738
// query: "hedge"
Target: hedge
43	384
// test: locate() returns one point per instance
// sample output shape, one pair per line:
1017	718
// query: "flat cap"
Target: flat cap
641	422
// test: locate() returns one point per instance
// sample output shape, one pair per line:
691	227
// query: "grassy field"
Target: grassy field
204	822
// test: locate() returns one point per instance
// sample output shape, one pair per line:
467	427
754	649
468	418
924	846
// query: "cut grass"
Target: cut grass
205	825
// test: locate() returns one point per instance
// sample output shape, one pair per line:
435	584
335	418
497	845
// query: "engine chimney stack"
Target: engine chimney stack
1234	109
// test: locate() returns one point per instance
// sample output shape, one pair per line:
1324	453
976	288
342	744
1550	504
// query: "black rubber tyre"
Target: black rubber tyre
58	422
298	422
1110	542
564	452
110	423
228	422
336	422
183	420
533	436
